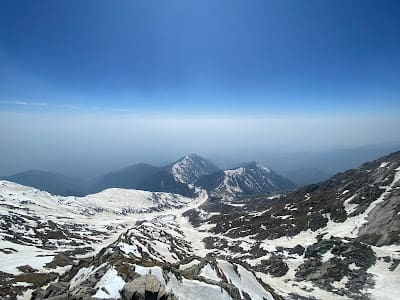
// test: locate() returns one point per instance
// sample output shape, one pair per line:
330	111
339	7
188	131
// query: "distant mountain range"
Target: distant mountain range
129	178
180	177
53	183
310	167
305	176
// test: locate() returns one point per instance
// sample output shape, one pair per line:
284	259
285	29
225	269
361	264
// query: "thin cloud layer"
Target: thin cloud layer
18	102
90	143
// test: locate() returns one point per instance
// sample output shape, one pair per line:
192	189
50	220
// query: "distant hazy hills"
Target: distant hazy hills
180	177
304	176
311	167
128	178
53	183
300	168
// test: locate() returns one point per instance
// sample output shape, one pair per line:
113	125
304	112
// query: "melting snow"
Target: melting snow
194	289
209	272
387	282
244	280
129	249
109	285
156	271
384	164
189	264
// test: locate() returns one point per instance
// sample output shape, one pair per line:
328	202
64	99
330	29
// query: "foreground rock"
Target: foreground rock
144	287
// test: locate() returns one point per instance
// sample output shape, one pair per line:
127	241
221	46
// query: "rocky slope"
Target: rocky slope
338	239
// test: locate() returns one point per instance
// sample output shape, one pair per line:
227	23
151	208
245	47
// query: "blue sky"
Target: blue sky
201	57
86	86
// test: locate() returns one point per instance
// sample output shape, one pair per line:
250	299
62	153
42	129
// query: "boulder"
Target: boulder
146	287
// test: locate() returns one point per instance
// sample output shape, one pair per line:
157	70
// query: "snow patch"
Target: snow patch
129	249
208	272
194	289
244	280
109	285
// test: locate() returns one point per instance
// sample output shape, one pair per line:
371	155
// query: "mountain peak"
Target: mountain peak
192	156
191	168
255	165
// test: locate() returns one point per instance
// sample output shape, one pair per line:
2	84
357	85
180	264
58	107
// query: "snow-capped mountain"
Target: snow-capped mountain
179	176
338	239
194	171
248	179
191	168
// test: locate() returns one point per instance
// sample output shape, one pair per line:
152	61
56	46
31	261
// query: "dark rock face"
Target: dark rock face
26	269
324	273
54	291
359	254
383	224
298	249
274	266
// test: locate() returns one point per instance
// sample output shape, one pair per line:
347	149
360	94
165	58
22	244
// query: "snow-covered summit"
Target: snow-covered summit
122	201
191	168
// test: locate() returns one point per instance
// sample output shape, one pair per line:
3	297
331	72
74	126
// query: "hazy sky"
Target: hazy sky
95	143
103	83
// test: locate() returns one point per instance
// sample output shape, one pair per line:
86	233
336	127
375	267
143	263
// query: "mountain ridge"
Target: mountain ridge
181	176
248	178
